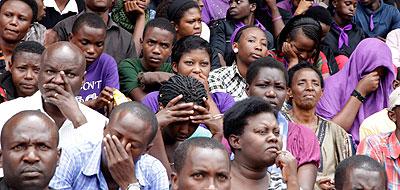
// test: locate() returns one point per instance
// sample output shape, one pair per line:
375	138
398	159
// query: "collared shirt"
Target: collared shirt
385	149
90	131
71	6
228	80
79	169
118	43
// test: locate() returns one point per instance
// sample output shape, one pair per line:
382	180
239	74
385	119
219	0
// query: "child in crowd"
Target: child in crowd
141	76
101	77
22	79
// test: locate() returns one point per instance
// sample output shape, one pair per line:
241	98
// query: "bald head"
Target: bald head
62	57
32	119
29	150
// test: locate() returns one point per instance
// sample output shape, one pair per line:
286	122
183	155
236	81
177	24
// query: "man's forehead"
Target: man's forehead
25	133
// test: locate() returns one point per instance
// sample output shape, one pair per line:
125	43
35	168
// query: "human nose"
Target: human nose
272	138
270	93
90	50
31	155
57	79
29	74
156	50
197	25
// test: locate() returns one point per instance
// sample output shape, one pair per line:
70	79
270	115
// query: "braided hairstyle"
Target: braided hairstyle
191	89
308	26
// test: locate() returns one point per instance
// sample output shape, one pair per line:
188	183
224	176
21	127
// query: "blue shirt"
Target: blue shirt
79	169
386	19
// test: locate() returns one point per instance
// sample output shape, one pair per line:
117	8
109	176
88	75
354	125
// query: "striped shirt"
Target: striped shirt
79	169
228	80
385	149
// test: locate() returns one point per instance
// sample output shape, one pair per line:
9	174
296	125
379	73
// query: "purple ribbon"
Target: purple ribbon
371	22
240	25
343	37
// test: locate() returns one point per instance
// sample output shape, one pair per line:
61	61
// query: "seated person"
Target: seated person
268	79
61	74
249	44
12	32
360	89
37	30
344	35
118	43
360	172
393	41
138	77
29	151
59	10
305	89
117	161
22	79
239	15
182	103
300	40
252	130
380	122
384	147
101	73
376	18
201	163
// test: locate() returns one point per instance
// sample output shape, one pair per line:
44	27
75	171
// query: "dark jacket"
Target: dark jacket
7	88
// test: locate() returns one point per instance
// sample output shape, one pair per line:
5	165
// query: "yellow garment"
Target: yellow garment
377	123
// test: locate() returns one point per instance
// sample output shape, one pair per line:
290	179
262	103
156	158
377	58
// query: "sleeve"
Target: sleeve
131	50
215	82
66	172
112	78
396	18
343	143
225	101
370	147
61	30
218	38
304	145
127	76
151	101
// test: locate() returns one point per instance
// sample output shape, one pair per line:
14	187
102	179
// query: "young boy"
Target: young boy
101	78
158	39
22	79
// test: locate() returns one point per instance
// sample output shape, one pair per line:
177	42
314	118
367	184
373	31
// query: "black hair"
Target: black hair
308	26
187	44
31	3
398	73
265	62
90	19
28	47
161	23
183	149
304	65
142	112
239	33
174	10
320	14
235	119
357	162
191	89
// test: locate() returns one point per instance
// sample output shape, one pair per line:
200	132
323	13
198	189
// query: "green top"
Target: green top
129	70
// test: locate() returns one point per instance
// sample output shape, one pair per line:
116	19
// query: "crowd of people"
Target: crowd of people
199	94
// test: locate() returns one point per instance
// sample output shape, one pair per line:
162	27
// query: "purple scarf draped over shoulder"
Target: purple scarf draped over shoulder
370	54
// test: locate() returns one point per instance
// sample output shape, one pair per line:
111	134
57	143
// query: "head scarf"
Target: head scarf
338	88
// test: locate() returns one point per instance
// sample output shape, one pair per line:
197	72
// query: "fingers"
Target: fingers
202	110
182	113
53	88
120	148
67	86
174	101
207	104
113	148
200	118
183	106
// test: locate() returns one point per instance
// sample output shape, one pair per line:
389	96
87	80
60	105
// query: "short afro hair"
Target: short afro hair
236	118
27	47
304	65
161	23
90	19
265	62
181	152
187	44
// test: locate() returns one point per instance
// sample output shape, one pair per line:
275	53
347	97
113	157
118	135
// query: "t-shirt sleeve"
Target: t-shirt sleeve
112	77
304	145
128	76
224	101
151	101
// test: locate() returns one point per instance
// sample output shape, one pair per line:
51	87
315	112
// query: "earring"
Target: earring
235	50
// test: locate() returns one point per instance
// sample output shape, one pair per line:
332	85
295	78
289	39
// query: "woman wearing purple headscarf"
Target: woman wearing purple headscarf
361	88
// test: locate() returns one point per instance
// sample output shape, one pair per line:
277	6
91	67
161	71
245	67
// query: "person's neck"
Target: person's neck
304	116
54	113
242	67
247	171
374	5
341	22
249	20
103	15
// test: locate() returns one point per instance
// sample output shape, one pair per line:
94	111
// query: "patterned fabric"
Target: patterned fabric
36	33
119	16
79	169
385	149
228	80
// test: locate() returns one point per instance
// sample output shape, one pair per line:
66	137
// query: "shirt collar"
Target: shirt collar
394	146
236	71
70	7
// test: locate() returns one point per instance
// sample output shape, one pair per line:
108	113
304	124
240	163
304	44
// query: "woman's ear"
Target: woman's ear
253	7
234	141
289	92
175	67
235	47
174	180
334	3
